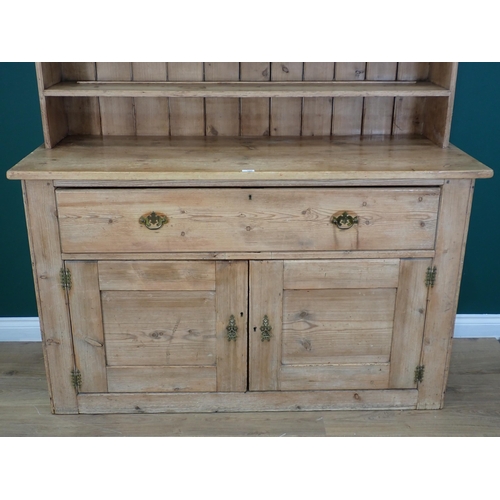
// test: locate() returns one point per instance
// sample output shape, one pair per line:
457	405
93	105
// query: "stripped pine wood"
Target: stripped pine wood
145	275
347	115
86	325
55	324
317	112
266	299
162	379
83	113
338	326
117	113
231	300
246	219
409	318
166	328
222	114
442	303
257	401
187	116
331	377
412	71
286	112
254	114
314	274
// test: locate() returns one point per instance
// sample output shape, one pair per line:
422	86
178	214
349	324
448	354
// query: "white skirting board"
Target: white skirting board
467	326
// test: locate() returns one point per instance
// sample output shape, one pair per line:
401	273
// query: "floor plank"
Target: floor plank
472	407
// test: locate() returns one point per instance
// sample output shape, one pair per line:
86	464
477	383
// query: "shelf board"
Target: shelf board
246	89
216	160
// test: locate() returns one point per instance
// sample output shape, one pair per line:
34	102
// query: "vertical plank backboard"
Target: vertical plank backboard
453	220
117	113
255	110
231	288
187	115
222	114
286	112
266	298
317	111
151	113
348	111
43	232
86	323
83	113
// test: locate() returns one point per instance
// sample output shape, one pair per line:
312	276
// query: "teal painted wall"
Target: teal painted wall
475	129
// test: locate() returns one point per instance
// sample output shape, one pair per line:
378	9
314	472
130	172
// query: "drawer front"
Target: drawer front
287	219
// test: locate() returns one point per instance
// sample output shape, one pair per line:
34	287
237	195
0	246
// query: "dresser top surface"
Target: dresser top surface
265	159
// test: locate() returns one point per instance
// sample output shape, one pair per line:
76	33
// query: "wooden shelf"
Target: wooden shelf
257	161
246	89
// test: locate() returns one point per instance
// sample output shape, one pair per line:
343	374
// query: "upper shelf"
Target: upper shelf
246	89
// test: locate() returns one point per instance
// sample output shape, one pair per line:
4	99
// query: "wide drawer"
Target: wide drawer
260	219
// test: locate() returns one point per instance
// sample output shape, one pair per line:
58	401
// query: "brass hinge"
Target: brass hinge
430	276
76	378
65	275
419	373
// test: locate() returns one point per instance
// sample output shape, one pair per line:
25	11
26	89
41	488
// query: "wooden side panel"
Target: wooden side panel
409	318
442	305
167	328
317	111
254	111
162	379
266	298
117	113
348	111
438	110
231	300
83	113
86	323
43	233
147	275
187	115
286	112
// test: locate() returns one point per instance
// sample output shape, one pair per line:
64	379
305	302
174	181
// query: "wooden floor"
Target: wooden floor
472	407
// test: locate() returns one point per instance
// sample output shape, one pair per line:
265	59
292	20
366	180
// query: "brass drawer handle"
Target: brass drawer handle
344	221
153	220
231	329
265	329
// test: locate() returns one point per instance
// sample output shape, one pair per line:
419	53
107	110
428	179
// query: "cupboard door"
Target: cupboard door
336	324
142	326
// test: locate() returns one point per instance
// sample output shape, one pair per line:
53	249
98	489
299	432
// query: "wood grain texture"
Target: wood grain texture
167	328
145	275
409	318
325	327
161	379
443	297
254	114
252	401
266	299
43	233
265	159
244	219
286	112
187	116
232	300
86	326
